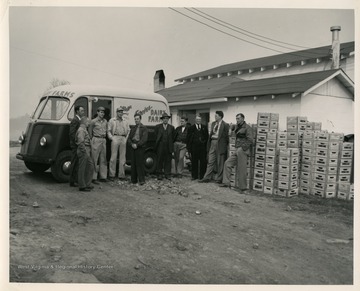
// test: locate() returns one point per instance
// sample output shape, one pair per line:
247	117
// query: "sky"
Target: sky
124	46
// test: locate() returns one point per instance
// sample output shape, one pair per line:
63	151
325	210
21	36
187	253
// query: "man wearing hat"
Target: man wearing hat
118	130
164	146
97	132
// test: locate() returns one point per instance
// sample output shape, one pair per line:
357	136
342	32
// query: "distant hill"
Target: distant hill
17	126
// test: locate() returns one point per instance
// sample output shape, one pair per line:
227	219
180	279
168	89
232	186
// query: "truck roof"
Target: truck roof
85	90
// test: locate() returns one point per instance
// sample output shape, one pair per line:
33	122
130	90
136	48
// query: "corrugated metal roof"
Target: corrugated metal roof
197	90
296	56
233	87
276	85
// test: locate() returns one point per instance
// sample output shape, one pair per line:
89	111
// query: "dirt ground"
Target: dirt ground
173	232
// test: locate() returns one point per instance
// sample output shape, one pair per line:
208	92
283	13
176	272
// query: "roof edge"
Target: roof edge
347	82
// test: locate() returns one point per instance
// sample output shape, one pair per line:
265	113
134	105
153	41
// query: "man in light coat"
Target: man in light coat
217	149
118	131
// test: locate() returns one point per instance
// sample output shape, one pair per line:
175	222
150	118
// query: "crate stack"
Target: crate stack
325	176
267	123
250	161
263	127
351	194
270	175
288	172
295	126
345	189
313	126
307	157
233	176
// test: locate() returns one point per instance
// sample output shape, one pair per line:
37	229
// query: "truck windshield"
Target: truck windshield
54	108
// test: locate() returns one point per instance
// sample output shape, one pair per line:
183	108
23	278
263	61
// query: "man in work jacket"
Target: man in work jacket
138	137
97	132
86	165
74	126
243	143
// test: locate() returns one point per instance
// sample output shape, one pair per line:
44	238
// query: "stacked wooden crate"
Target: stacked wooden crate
303	159
271	172
266	123
233	177
325	176
346	159
250	161
307	161
288	176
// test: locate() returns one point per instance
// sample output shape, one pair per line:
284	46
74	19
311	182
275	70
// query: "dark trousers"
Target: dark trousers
198	156
86	168
74	166
137	165
164	160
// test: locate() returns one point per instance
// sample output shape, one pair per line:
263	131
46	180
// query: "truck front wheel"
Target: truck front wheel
61	168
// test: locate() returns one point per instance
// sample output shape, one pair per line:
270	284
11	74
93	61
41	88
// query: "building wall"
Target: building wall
284	105
332	105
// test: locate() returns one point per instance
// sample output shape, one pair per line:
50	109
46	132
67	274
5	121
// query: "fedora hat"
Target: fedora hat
165	115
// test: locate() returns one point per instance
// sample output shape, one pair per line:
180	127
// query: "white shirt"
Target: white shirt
216	134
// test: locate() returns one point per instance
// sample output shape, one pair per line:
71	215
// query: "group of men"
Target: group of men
88	145
218	161
207	149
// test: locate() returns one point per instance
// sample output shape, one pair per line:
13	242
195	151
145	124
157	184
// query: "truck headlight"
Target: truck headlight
21	139
43	141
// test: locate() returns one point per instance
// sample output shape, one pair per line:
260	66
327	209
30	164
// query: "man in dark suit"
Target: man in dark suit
217	148
137	139
164	146
196	143
74	126
180	139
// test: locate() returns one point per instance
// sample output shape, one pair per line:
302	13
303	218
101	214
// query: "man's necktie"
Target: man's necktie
216	127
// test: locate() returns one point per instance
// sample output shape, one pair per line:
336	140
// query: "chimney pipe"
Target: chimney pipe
335	47
159	80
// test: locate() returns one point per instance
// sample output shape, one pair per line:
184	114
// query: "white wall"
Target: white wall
332	105
335	113
283	105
